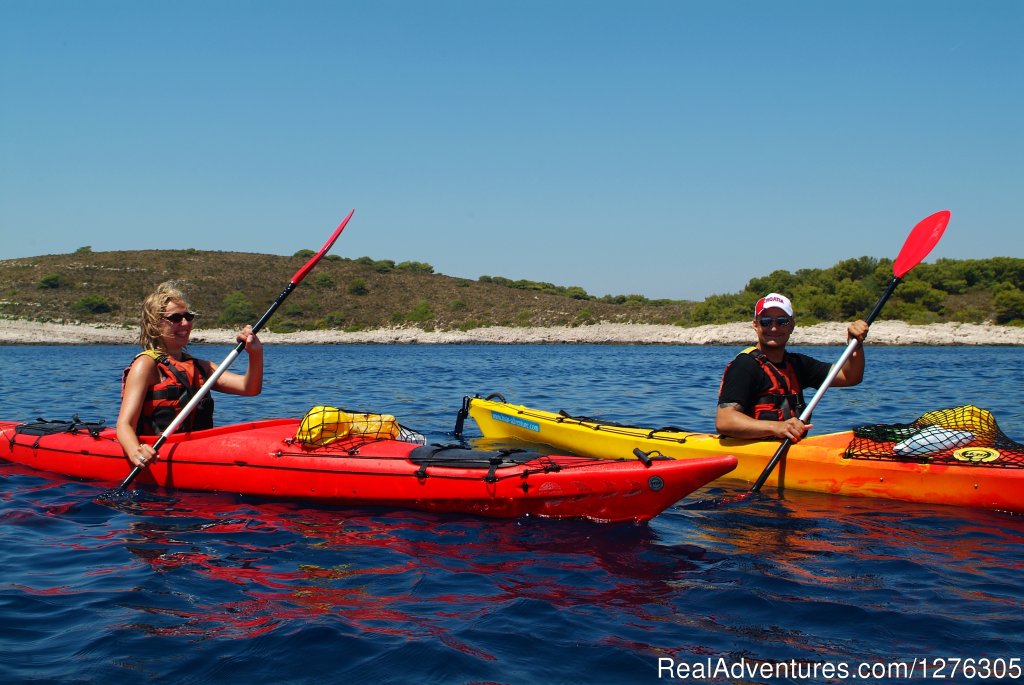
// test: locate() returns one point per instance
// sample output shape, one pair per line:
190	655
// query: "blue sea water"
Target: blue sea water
211	588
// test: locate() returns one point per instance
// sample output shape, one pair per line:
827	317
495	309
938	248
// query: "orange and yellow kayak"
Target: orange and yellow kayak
981	477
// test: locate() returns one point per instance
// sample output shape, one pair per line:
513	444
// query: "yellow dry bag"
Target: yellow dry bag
323	425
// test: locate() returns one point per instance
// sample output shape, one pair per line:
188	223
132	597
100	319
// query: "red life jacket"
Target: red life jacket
179	382
784	398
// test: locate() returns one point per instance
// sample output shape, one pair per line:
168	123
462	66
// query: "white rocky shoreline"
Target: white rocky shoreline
22	332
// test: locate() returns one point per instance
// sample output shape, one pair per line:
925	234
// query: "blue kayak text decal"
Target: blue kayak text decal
516	421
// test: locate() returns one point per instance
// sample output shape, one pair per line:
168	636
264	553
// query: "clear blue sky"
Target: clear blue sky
667	148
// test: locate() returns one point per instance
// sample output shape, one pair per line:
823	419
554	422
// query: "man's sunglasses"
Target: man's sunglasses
176	317
780	321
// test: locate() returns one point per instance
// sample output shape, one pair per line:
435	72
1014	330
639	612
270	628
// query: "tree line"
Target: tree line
967	290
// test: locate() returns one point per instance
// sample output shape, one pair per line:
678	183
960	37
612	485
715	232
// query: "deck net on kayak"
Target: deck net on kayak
965	435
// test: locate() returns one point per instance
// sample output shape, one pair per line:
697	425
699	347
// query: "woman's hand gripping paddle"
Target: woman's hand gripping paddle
919	243
212	380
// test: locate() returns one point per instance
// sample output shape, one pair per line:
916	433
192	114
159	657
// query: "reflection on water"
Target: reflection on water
386	571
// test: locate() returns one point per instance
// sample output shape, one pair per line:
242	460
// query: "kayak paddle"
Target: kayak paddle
919	243
208	385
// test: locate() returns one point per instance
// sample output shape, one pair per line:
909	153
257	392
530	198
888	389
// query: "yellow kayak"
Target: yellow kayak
962	473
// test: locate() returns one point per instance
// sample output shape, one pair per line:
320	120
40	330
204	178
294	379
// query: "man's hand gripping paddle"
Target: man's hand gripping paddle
212	380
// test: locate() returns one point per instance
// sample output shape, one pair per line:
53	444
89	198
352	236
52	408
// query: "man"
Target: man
761	395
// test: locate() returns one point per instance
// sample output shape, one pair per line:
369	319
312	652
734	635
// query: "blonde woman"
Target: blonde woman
163	377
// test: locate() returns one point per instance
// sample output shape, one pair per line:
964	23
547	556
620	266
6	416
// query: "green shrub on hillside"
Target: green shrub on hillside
357	286
574	291
421	267
421	312
91	305
238	310
54	280
334	319
1008	303
323	280
577	293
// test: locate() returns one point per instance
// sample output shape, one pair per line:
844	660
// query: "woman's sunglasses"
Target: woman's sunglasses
780	321
176	317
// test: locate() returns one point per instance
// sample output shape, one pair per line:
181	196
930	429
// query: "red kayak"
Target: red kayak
264	459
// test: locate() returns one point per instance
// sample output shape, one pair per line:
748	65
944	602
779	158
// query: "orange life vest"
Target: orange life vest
784	398
179	382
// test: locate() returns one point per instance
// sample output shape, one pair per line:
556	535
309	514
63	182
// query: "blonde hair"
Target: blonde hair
153	308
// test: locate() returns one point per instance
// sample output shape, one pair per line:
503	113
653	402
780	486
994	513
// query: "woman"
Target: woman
163	378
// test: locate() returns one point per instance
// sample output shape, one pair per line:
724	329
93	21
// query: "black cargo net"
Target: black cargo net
962	436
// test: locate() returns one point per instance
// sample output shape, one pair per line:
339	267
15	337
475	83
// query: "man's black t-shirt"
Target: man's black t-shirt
745	381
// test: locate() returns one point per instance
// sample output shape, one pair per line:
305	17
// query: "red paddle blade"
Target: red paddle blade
308	266
920	242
